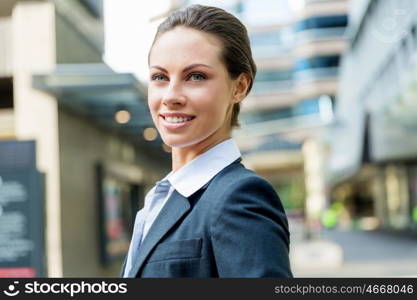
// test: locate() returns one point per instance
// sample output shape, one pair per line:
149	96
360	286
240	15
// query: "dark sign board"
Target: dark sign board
22	251
118	201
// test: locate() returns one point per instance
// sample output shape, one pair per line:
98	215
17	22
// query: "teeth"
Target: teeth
176	119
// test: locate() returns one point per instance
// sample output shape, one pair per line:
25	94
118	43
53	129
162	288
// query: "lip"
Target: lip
173	126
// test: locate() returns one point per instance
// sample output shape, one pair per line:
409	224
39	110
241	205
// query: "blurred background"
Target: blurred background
331	122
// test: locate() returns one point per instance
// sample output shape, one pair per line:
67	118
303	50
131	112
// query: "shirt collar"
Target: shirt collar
196	173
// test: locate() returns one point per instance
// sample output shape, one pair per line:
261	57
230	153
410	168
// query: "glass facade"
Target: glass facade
275	143
270	81
271	43
320	34
317	62
306	107
322	22
273	75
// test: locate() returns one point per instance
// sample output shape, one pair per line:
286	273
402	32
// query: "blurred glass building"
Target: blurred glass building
373	143
320	41
297	47
271	109
86	129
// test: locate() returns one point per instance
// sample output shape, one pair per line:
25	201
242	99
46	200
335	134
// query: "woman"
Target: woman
210	216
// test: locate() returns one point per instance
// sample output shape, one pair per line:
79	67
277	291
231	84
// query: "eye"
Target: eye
158	77
196	77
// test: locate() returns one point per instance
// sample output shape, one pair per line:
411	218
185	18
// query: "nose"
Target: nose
173	95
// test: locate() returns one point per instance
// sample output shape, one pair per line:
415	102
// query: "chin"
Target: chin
181	142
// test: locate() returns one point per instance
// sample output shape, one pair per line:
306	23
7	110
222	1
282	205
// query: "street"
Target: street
362	254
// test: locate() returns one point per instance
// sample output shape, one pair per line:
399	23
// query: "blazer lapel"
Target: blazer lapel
176	206
122	272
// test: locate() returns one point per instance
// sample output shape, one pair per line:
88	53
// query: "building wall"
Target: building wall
73	46
5	47
82	145
373	77
68	145
376	107
35	113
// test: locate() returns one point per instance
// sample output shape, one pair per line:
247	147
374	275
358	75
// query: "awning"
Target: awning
98	92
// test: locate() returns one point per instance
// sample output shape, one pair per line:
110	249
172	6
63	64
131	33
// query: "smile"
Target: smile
174	123
178	119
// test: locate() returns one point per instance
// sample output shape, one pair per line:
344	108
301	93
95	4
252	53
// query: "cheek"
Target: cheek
213	112
153	108
213	99
152	102
221	102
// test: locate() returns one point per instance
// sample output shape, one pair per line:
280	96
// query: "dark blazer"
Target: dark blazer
234	226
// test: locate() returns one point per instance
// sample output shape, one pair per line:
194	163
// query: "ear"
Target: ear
241	86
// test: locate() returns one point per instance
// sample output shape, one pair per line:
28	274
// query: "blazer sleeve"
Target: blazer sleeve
249	232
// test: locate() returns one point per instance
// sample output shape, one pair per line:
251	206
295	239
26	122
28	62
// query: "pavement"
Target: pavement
352	253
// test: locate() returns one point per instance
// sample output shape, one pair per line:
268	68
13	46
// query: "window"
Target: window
273	75
317	62
6	93
283	37
95	7
268	115
305	107
322	22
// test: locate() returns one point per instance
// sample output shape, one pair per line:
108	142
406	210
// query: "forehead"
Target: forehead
183	45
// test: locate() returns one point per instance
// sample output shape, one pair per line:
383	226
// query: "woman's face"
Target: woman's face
190	93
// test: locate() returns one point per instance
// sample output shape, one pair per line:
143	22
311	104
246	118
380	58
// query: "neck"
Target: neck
182	155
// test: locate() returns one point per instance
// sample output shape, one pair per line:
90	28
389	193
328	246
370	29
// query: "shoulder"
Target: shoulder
236	177
234	173
247	211
238	188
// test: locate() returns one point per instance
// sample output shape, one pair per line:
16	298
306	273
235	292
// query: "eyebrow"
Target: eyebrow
185	69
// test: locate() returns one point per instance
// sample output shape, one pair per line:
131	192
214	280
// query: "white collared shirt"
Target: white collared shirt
186	181
193	176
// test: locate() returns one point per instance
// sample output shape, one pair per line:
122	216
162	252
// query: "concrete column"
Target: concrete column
398	202
314	154
404	211
36	113
380	197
